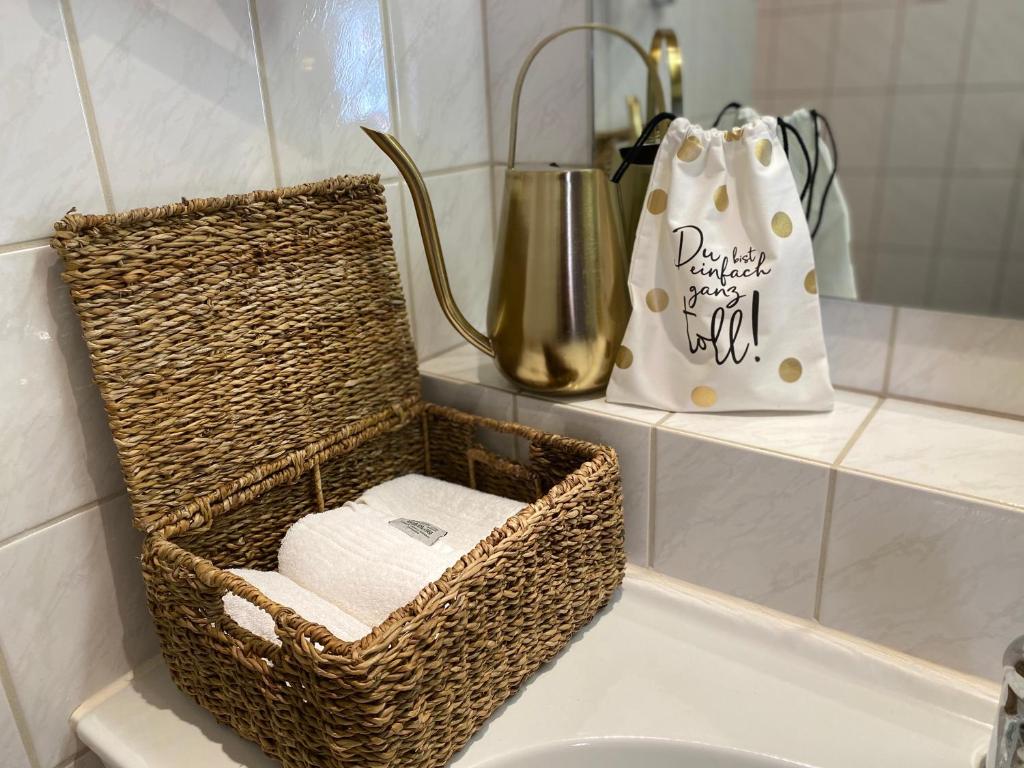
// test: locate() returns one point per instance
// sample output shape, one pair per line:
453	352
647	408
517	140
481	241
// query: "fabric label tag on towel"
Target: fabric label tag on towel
422	531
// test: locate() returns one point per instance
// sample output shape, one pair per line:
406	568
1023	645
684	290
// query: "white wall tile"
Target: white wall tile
326	75
466	363
986	139
176	95
976	214
630	439
438	51
57	453
462	206
910	206
860	193
554	112
473	398
960	359
812	436
45	153
921	60
857	340
927	574
11	746
996	53
803	50
901	275
864	50
919	133
1011	287
951	450
738	520
965	284
82	618
861	129
1017	234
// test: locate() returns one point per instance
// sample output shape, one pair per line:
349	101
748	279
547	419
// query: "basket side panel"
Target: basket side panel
249	535
227	333
503	615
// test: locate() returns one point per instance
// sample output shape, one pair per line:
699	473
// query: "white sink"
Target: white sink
666	669
630	753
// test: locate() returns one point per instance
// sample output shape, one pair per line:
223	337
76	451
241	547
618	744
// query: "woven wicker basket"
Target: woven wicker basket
254	357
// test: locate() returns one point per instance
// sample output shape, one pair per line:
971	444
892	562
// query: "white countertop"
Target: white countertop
665	659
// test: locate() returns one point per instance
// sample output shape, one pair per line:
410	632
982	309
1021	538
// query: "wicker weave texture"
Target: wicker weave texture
227	332
254	358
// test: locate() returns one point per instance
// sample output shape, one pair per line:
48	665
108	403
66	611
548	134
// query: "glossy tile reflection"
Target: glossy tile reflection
177	99
45	154
326	76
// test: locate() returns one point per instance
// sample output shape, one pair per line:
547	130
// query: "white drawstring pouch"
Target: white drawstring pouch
827	212
725	305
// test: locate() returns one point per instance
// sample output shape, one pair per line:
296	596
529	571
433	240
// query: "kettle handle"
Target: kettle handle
655	94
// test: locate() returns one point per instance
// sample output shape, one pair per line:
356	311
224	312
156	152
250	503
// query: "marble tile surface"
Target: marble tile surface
813	436
996	54
39	113
943	448
466	363
864	46
472	398
933	575
11	746
630	439
177	99
921	61
58	453
960	359
462	207
82	622
438	51
857	340
554	112
326	75
738	520
803	50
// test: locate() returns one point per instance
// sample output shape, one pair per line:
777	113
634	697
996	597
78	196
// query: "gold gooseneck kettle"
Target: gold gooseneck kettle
559	301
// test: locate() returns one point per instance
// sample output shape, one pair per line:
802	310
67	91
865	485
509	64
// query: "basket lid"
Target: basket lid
229	332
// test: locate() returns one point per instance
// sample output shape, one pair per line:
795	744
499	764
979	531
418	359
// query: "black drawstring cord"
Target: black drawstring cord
814	170
803	147
653	123
835	167
726	108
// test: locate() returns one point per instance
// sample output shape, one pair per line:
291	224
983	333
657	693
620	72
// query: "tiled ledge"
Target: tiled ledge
893	520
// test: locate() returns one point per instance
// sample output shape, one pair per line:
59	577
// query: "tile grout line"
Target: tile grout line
652	484
456	169
1008	231
53	521
945	190
85	99
391	65
23	245
830	495
881	172
20	721
261	77
890	352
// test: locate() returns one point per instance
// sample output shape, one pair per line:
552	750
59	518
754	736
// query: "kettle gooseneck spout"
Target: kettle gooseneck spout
431	239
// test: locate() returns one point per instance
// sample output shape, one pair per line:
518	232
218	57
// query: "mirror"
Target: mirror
926	101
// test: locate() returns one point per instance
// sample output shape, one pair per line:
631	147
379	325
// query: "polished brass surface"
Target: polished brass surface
431	239
674	59
559	303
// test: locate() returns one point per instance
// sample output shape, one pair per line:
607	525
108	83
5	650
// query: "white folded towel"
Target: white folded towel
351	556
283	590
467	515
